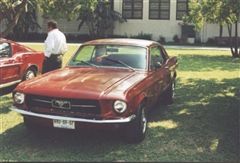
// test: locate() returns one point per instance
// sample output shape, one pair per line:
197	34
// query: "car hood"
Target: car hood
80	82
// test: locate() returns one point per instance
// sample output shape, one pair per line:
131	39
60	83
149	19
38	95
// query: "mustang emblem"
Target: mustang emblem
61	104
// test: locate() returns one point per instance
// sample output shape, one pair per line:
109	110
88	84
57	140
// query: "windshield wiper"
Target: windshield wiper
85	62
120	62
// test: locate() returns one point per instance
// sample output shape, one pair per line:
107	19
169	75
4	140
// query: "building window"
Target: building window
159	9
182	8
132	9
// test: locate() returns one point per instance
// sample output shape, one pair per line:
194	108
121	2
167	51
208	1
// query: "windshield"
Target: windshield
132	57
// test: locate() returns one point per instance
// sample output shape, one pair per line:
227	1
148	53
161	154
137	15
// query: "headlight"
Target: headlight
119	106
19	98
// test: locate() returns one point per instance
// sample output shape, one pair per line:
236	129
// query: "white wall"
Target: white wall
164	28
212	30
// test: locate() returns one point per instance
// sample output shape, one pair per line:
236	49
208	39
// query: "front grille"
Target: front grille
63	106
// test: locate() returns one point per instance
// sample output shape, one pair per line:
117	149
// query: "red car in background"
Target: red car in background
18	63
107	82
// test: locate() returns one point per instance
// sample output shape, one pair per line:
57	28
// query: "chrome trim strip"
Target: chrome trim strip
42	101
85	106
24	112
9	84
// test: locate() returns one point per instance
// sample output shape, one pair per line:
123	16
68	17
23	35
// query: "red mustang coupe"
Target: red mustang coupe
18	63
113	82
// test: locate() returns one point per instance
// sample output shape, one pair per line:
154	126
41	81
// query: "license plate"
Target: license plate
63	124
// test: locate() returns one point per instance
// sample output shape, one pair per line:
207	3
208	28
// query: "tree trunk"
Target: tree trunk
229	26
233	41
220	30
236	41
91	29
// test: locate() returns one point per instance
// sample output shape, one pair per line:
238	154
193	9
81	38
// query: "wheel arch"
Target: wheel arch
31	67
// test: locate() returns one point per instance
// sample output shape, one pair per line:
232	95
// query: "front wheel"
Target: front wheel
136	130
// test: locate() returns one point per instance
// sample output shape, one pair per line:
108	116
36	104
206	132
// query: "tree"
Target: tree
10	13
223	12
57	9
27	21
96	14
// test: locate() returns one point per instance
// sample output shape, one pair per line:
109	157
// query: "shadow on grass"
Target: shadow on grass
202	125
206	63
6	99
5	102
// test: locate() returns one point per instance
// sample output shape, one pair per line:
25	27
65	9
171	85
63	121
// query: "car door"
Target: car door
159	73
9	67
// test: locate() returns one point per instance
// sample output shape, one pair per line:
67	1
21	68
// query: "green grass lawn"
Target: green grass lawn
201	125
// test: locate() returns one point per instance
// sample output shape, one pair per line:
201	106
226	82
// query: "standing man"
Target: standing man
55	46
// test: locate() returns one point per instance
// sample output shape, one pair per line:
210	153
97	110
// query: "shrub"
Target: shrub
176	39
162	40
145	36
211	41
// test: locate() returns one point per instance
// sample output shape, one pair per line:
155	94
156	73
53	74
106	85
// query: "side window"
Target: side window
156	56
99	51
5	50
84	54
165	54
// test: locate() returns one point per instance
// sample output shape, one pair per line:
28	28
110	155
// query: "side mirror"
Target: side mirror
172	60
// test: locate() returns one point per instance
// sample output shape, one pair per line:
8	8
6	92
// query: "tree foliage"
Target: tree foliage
27	21
57	9
223	12
11	12
98	16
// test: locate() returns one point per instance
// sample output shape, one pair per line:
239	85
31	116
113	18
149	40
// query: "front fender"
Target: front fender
136	101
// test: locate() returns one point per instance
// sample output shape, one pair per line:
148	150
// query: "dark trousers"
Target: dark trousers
52	63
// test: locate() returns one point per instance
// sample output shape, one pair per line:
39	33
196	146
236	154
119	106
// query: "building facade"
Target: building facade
159	18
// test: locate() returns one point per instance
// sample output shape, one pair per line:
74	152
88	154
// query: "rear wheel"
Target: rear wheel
30	73
168	94
135	132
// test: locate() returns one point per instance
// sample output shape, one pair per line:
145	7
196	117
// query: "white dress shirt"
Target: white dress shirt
55	43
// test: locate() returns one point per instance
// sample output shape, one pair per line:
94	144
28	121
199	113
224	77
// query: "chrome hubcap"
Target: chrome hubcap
173	89
144	121
30	75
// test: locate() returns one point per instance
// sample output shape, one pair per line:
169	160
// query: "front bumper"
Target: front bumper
53	117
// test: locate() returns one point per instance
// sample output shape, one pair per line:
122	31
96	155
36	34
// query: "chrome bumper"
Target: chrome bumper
28	113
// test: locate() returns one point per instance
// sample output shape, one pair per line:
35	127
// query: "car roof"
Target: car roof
122	41
7	40
3	39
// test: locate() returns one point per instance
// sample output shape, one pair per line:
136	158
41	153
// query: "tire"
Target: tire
168	95
135	131
30	73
